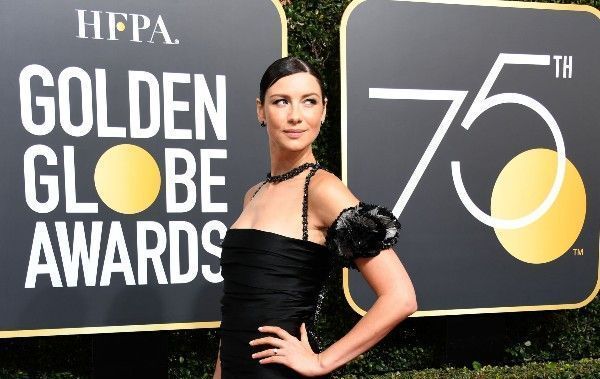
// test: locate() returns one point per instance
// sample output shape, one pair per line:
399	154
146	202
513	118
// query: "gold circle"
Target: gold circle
120	26
127	178
520	188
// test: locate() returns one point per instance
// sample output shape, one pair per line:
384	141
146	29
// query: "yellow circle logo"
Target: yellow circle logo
521	186
120	26
127	179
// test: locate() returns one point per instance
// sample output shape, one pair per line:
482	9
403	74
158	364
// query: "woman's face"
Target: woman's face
293	111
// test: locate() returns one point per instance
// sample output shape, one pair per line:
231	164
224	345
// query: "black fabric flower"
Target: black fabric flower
361	231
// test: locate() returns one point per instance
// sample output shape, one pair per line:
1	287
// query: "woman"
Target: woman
296	226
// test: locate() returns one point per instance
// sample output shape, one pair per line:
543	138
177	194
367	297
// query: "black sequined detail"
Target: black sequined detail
314	319
361	231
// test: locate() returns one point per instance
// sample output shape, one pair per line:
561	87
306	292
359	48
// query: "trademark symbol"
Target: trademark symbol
563	66
578	251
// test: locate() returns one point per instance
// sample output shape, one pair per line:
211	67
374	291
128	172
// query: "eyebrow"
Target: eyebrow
305	95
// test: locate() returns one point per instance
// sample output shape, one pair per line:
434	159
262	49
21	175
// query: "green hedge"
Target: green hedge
582	369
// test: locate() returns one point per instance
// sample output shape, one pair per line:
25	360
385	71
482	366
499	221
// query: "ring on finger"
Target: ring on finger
275	351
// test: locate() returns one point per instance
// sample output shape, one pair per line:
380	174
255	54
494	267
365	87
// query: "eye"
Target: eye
280	102
312	101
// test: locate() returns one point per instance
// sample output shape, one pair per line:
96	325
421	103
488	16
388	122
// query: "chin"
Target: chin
295	145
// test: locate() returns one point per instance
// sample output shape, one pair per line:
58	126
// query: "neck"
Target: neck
285	161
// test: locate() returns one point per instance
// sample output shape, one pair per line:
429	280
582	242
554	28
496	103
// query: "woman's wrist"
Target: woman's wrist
323	367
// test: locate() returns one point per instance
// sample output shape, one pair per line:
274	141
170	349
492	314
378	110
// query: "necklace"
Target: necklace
290	174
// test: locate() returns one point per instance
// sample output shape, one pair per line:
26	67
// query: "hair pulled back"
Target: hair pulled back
284	67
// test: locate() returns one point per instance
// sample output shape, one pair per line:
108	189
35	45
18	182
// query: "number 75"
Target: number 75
481	104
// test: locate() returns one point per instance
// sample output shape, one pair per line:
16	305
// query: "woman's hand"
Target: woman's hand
290	351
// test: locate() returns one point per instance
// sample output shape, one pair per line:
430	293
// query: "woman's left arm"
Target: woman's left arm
396	301
385	274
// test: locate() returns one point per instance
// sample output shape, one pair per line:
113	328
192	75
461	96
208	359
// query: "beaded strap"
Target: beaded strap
312	171
259	187
305	202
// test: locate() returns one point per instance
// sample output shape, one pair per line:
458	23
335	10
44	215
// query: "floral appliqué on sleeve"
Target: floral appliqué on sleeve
361	231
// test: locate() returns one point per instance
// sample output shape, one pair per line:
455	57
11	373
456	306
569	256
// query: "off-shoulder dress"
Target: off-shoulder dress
272	279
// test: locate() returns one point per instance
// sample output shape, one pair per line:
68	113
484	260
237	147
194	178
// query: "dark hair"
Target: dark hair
284	67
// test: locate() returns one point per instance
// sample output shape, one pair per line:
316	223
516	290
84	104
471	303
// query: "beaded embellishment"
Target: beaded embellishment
290	174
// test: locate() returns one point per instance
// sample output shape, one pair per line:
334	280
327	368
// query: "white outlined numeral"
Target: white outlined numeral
457	98
481	104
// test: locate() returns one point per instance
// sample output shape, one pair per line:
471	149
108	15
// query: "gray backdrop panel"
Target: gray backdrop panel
235	38
455	261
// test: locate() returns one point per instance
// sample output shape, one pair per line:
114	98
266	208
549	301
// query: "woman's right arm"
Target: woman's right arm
217	374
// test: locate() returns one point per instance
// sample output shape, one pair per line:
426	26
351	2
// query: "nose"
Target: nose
295	115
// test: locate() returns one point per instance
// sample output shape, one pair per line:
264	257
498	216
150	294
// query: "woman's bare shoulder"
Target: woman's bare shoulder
329	196
250	193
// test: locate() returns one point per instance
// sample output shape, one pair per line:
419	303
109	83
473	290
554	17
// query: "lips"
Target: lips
294	133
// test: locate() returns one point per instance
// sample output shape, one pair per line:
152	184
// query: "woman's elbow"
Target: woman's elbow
408	306
411	306
404	306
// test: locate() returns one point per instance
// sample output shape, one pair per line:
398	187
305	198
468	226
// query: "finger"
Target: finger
266	353
276	330
267	340
304	335
273	359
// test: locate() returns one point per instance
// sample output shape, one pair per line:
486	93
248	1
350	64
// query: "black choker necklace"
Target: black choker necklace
290	174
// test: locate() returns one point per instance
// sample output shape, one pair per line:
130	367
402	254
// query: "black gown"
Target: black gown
271	279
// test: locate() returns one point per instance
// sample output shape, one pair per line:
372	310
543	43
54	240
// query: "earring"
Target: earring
322	122
262	123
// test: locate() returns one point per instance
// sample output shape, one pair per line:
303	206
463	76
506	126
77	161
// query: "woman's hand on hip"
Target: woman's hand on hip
289	350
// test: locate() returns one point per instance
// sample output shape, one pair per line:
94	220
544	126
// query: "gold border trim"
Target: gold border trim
344	144
107	329
512	4
143	327
344	88
284	33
